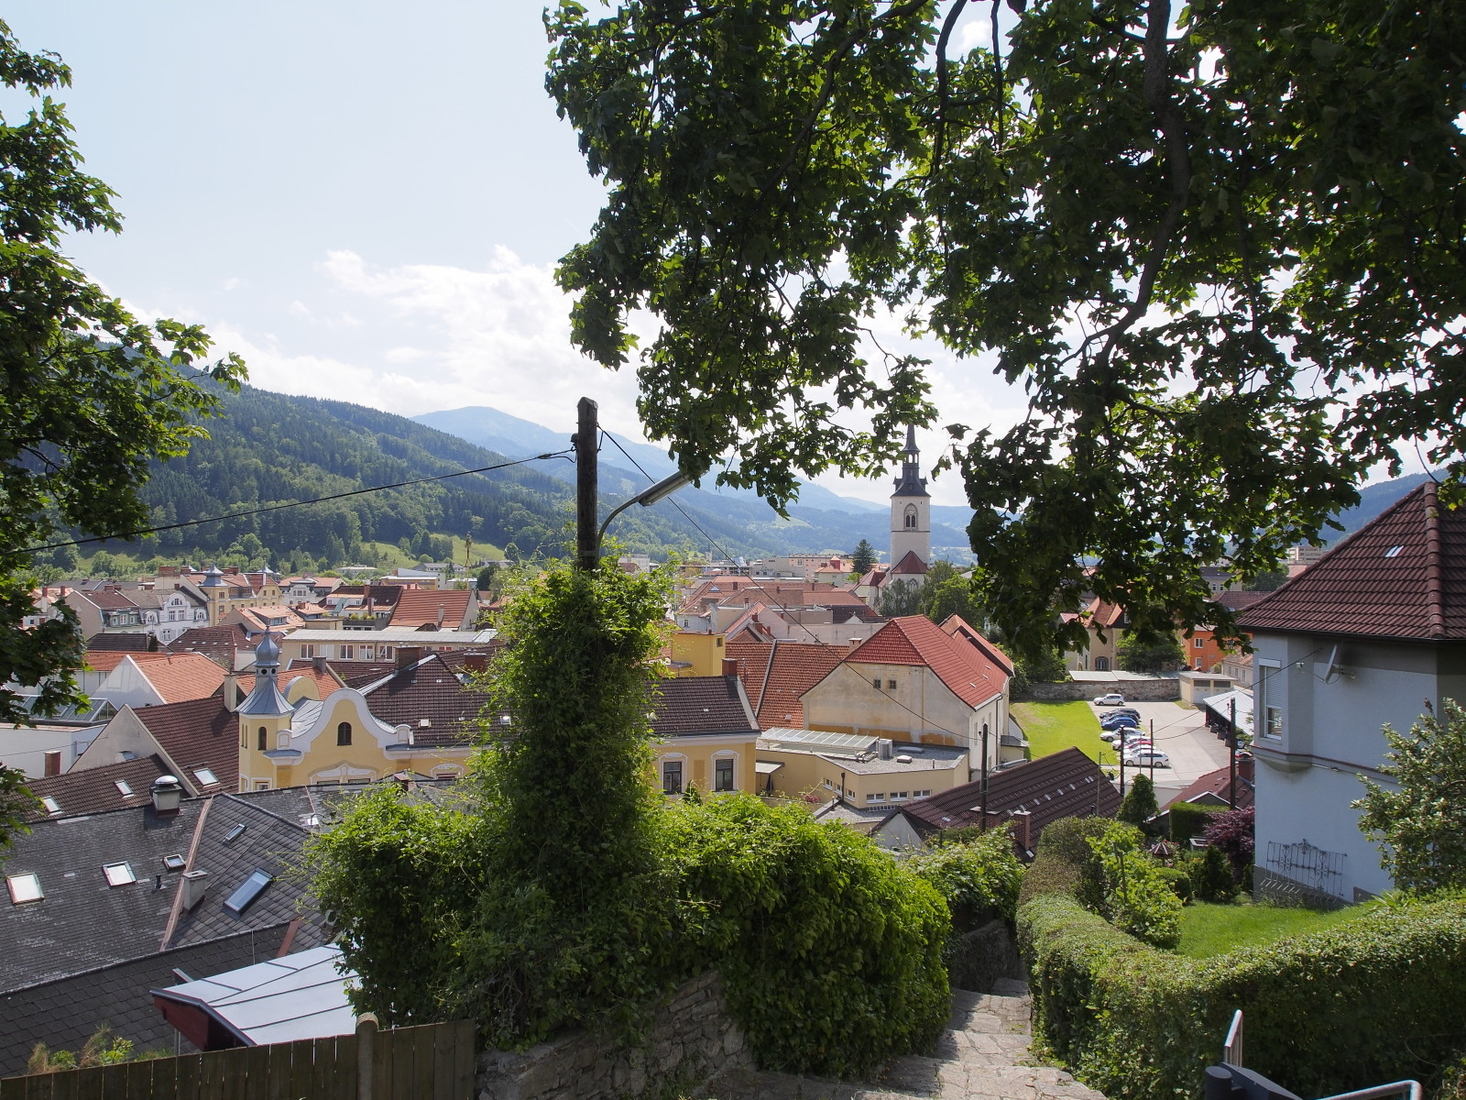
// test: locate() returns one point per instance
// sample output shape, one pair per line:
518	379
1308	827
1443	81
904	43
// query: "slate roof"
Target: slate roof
776	674
965	669
120	643
1400	577
701	706
218	643
95	789
64	1013
428	690
83	923
1062	784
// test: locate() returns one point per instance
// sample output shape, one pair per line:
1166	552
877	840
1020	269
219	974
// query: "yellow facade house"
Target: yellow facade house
705	735
339	739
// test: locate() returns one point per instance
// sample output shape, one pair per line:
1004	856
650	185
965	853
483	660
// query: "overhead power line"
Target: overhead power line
141	531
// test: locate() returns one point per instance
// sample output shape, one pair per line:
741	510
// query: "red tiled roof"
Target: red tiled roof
419	606
1219	783
1062	784
777	674
104	660
910	564
915	640
1402	576
956	626
179	676
1239	599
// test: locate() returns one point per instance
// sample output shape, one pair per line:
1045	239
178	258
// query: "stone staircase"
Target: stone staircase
983	1055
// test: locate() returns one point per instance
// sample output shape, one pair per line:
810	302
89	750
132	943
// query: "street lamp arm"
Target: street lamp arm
660	491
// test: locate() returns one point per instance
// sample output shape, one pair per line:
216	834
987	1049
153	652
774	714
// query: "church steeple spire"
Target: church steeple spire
911	526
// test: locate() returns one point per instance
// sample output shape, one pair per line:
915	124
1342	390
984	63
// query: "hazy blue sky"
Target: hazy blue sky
366	200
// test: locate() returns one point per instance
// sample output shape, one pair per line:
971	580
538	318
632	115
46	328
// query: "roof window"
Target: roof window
52	806
123	787
235	833
175	862
24	887
1393	551
206	776
249	890
119	874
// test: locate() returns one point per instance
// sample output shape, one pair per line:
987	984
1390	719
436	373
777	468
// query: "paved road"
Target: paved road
1181	733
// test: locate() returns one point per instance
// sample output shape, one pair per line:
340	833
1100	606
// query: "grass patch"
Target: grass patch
1052	727
1208	930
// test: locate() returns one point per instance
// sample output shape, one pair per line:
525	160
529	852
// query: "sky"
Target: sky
366	201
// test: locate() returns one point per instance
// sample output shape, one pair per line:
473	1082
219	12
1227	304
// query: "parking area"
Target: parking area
1181	733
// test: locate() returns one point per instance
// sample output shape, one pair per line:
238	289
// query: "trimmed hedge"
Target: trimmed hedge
1189	819
1379	999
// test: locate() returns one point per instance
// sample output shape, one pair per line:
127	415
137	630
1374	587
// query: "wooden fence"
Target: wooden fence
428	1062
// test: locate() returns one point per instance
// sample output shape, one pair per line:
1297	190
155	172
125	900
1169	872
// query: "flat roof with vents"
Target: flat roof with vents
819	740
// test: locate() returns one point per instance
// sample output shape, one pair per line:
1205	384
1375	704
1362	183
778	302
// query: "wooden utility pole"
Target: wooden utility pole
1232	757
586	440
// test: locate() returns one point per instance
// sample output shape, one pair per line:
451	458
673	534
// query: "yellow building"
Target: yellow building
695	654
706	735
425	723
863	771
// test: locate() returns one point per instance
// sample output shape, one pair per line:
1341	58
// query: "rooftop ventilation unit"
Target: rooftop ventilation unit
167	792
195	886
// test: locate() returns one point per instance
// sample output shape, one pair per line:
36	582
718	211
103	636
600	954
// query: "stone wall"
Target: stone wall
691	1041
983	957
1157	689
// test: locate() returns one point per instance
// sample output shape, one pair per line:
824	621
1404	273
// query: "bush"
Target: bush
978	879
1211	877
830	951
1178	881
1143	1024
1135	896
1188	820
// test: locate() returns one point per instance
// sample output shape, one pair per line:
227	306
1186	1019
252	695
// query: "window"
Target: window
876	682
878	797
1263	707
123	787
911	517
307	651
263	733
206	776
1197	643
282	740
343	733
348	652
119	874
723	774
920	794
262	784
1102	664
24	887
671	777
248	891
52	806
890	685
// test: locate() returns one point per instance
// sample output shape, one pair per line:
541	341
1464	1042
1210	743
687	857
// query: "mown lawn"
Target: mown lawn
1054	726
1208	930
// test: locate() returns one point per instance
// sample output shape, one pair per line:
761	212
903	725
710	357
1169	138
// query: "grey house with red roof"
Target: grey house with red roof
1374	633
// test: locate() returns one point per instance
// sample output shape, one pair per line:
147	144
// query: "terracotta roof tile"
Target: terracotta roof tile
178	677
777	674
915	640
420	606
1402	576
909	565
1219	783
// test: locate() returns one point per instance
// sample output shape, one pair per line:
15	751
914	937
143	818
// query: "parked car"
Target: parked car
1113	699
1119	721
1120	710
1145	757
1122	733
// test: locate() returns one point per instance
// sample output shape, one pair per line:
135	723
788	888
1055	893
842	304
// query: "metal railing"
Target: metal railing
1232	1058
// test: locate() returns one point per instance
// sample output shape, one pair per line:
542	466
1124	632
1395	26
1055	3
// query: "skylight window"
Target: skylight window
1393	551
235	833
123	787
249	890
175	862
52	806
206	776
24	887
119	874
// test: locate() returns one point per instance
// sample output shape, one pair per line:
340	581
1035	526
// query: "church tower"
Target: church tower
911	504
263	717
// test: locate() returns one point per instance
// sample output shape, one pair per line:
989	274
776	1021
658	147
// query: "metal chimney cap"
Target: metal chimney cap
167	783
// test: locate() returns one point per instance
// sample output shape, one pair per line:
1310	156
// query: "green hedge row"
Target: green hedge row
1379	999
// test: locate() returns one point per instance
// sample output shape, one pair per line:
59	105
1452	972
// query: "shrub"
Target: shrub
1211	877
1188	820
1232	833
1135	1022
1178	881
978	879
830	951
1135	897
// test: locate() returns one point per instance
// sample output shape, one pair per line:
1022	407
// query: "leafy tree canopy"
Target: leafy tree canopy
1219	245
1160	653
91	393
1420	825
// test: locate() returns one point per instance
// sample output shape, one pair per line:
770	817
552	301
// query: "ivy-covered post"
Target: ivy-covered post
587	541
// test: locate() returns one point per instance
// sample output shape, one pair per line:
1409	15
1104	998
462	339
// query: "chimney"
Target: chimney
476	662
167	793
231	691
730	666
195	886
318	663
1025	828
53	762
408	655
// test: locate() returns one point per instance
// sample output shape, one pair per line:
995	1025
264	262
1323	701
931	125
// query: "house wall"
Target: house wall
696	754
124	733
126	685
829	775
703	652
920	708
1317	732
